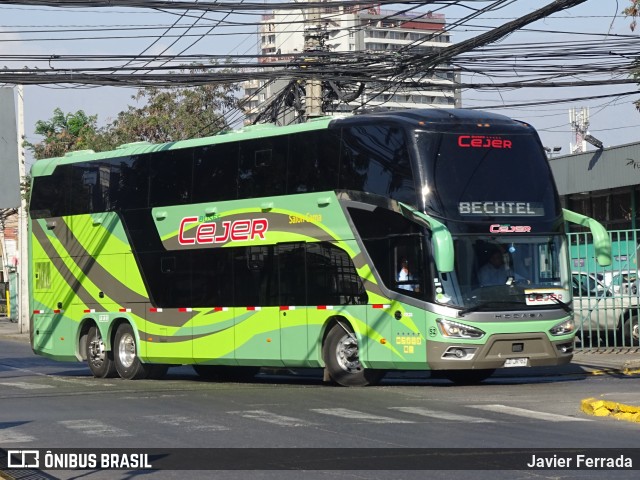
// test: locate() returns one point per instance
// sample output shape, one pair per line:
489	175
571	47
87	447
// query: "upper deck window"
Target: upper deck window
375	159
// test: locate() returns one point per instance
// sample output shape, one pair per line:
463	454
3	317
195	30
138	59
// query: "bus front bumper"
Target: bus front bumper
500	351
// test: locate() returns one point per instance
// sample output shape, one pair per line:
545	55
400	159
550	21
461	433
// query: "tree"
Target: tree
633	11
62	133
167	115
173	114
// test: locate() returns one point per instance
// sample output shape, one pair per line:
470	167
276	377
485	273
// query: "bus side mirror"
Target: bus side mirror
442	249
441	240
601	241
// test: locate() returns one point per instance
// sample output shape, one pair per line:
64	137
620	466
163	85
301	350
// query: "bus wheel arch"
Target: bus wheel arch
340	352
81	341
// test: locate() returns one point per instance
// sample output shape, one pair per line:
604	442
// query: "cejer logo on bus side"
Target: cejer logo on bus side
222	232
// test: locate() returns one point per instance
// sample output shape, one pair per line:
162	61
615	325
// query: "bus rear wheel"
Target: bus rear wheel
99	359
342	359
127	362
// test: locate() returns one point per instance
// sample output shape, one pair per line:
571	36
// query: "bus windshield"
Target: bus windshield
506	273
471	176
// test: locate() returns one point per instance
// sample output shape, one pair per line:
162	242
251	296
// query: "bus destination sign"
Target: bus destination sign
501	209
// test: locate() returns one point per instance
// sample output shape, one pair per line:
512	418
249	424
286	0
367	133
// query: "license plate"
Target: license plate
516	362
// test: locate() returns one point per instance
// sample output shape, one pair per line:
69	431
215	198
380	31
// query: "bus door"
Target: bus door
292	300
401	321
43	303
257	311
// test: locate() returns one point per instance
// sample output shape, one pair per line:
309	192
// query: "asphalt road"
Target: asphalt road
51	405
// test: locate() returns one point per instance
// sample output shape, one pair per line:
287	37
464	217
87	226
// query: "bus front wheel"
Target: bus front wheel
127	362
99	359
342	359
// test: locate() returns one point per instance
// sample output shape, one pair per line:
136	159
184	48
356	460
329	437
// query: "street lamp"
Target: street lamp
593	141
552	150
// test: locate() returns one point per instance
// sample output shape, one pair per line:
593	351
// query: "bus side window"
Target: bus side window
262	167
374	159
170	175
332	277
215	171
390	239
313	162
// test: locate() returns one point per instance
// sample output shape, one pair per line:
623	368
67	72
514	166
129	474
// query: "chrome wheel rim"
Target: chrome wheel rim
97	351
347	354
127	350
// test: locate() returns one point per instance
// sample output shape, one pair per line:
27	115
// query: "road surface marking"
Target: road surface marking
9	436
273	418
356	415
440	415
522	412
186	422
25	385
94	428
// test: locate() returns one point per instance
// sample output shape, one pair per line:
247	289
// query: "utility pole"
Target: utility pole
23	260
313	42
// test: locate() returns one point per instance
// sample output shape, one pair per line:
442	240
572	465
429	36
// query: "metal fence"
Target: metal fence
606	300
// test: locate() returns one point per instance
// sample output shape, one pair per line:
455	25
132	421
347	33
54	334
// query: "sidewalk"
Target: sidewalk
11	330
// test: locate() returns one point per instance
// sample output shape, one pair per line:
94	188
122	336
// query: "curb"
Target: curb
603	408
630	372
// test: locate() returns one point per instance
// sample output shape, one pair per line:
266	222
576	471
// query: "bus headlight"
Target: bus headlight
453	329
563	328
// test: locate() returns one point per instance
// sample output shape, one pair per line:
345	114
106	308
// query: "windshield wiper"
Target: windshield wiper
475	308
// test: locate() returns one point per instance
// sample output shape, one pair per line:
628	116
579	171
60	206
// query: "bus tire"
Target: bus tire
466	377
99	359
126	358
341	356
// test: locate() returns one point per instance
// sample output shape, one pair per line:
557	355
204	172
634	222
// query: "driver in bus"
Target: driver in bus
495	271
404	275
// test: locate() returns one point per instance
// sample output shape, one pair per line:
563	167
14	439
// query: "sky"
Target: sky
613	120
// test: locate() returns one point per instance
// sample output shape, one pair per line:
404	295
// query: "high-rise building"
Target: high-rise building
357	28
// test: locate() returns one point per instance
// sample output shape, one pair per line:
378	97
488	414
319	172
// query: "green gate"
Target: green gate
606	299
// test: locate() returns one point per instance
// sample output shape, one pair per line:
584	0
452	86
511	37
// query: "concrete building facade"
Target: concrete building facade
603	184
354	29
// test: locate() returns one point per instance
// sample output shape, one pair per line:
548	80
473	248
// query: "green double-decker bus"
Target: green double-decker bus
399	240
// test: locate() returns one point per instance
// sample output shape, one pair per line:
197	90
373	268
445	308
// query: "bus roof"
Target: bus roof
421	117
